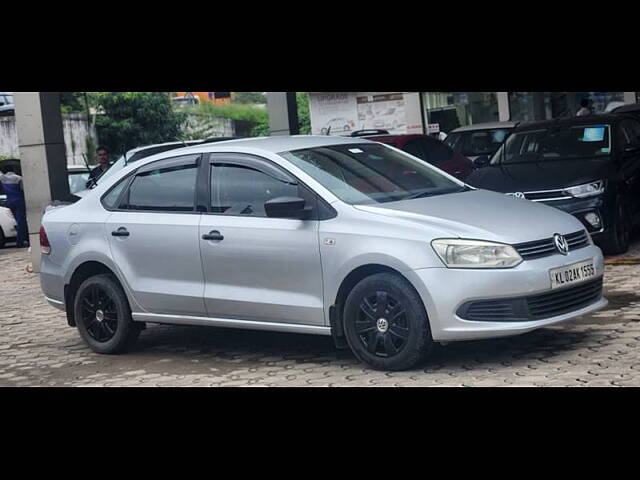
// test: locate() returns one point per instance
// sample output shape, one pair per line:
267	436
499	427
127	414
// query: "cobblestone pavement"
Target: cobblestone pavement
37	348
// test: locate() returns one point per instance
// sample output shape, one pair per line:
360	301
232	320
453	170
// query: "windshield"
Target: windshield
478	142
365	174
557	143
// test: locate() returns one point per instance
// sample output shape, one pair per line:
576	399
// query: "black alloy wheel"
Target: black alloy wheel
382	325
99	314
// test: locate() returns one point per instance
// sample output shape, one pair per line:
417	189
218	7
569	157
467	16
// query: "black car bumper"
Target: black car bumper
584	209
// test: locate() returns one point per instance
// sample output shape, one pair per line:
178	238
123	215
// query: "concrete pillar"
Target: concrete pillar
42	158
504	114
283	113
629	97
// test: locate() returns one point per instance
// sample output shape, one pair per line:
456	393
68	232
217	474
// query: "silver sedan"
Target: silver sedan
316	235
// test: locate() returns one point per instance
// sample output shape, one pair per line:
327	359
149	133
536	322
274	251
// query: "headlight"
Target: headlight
587	190
457	253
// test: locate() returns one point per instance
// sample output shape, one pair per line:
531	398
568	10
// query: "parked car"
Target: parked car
586	166
475	141
631	109
313	234
78	176
7	227
7	108
430	150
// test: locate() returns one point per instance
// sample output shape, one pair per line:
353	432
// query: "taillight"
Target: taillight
45	247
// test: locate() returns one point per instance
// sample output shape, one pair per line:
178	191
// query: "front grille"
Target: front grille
545	195
563	301
546	247
535	307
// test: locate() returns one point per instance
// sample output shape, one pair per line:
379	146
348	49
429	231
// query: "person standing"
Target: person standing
12	184
584	110
102	155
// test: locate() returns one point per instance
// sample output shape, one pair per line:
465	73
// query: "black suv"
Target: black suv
587	166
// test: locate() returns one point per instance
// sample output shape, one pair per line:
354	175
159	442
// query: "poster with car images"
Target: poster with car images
332	113
382	112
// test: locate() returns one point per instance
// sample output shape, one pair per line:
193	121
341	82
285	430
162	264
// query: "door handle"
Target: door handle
213	235
121	232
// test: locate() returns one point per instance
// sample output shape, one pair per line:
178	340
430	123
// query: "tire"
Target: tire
395	337
3	240
618	240
116	331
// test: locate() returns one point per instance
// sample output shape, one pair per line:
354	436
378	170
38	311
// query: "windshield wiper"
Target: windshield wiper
431	192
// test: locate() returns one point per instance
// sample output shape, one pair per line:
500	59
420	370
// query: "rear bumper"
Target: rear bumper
52	283
444	291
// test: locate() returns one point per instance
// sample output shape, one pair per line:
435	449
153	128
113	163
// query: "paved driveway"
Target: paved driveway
38	348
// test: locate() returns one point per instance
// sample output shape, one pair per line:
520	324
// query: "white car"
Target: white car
7	226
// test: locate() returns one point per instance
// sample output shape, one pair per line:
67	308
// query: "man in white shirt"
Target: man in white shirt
584	110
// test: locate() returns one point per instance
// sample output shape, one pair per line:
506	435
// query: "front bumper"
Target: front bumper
579	208
445	290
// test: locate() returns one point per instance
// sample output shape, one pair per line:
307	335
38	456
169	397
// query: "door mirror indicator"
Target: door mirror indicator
287	207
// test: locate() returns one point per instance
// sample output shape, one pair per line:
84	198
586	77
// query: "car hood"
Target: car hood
544	175
481	215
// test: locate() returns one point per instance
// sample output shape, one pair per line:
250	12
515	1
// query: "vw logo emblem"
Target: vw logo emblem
519	195
561	244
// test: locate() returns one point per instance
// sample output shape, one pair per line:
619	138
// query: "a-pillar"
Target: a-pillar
42	158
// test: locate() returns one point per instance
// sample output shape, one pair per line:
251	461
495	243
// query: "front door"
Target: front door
153	236
255	267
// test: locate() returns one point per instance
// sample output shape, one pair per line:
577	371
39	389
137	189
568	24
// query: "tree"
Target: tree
134	119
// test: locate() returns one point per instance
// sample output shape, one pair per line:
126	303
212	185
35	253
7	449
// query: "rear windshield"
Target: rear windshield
558	143
478	142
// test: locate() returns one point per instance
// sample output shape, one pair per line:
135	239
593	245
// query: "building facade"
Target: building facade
338	113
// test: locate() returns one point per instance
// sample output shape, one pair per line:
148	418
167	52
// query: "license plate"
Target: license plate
570	274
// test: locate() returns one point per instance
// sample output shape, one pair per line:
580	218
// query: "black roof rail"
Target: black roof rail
218	139
373	131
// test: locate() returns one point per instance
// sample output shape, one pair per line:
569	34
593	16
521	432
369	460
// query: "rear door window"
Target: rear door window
169	186
414	147
436	152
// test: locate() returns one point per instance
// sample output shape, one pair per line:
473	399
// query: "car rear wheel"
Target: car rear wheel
618	240
386	324
103	317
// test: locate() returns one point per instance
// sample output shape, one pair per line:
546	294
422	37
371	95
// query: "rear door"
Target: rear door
153	236
255	267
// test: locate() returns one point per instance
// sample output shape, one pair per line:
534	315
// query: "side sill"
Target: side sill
231	323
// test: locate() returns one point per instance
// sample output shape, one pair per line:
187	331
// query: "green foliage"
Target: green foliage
304	120
134	119
235	111
72	102
249	97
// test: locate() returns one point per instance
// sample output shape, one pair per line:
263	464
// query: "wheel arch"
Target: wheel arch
348	282
83	271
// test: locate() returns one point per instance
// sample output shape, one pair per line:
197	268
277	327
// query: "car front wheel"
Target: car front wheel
103	317
386	324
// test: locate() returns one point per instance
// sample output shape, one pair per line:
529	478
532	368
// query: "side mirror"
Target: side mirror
287	207
481	161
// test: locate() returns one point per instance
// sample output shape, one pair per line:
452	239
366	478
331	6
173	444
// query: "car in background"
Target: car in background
632	109
586	166
78	176
474	141
185	101
7	108
425	147
7	227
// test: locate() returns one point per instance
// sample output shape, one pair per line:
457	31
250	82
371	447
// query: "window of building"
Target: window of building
455	109
533	106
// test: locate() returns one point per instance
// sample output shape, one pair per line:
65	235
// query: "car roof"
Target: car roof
77	168
155	145
484	126
634	107
571	121
279	143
